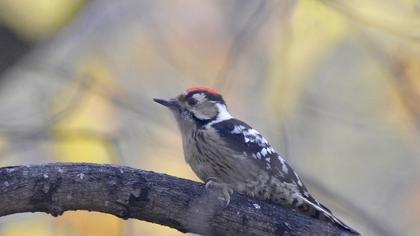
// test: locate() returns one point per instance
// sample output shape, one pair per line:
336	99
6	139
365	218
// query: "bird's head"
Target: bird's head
198	105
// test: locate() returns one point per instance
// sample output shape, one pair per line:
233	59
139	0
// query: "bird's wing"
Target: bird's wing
248	142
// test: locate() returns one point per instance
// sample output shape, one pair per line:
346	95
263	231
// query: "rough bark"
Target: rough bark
132	193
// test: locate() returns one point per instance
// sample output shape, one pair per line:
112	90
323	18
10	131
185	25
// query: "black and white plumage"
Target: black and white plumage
229	155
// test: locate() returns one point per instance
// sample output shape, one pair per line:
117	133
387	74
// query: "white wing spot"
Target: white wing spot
238	129
258	155
256	206
299	183
253	132
267	159
251	135
263	140
264	152
284	168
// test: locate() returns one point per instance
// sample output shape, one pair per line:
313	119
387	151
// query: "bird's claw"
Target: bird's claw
223	188
210	182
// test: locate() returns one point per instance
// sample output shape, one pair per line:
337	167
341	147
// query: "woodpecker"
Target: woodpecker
229	155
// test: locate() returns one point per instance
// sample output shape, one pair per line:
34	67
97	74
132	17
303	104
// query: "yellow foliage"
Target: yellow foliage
36	19
83	134
142	228
97	75
88	224
314	32
92	113
399	17
82	151
405	94
37	226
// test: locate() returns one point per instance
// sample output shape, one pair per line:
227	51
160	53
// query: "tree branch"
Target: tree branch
131	193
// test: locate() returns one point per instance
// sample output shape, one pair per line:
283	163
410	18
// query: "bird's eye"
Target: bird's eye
191	101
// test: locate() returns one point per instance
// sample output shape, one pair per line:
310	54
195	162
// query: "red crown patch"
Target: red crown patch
202	89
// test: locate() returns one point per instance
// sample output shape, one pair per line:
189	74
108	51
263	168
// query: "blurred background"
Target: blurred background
333	84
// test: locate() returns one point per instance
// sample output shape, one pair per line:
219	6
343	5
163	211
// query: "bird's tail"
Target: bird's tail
319	211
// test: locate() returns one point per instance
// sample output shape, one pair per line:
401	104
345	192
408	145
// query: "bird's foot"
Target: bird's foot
224	189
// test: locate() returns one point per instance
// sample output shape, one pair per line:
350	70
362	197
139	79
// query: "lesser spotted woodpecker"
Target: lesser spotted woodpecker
229	155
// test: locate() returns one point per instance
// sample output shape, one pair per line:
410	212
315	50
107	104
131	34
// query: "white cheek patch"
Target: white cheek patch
200	115
199	97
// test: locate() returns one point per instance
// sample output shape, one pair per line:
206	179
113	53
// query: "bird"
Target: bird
229	155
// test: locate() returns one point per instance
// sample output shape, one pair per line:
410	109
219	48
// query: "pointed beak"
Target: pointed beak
166	102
